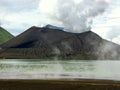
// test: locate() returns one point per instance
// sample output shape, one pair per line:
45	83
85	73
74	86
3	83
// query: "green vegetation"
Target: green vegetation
4	35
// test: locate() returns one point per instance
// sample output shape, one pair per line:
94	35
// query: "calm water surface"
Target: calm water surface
58	69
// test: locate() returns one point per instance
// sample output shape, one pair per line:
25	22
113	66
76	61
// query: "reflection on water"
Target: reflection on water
48	69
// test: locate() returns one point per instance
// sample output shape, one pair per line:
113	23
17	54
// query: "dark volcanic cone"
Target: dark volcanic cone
49	43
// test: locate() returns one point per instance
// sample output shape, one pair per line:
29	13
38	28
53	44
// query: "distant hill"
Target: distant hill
4	35
50	43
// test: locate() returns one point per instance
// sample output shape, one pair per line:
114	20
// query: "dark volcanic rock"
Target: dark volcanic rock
52	43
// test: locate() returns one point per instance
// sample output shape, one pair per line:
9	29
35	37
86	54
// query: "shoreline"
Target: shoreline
58	84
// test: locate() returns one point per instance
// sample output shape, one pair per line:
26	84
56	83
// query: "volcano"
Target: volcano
49	43
4	35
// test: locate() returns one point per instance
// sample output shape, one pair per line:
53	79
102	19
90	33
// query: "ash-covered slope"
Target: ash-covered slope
4	35
52	43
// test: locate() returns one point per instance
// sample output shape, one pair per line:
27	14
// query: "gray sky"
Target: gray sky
18	15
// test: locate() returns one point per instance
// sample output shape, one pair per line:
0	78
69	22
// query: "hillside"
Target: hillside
4	35
49	43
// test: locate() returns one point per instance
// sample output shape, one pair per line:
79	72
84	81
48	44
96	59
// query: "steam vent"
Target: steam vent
52	43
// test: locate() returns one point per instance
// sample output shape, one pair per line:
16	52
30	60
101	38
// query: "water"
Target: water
58	69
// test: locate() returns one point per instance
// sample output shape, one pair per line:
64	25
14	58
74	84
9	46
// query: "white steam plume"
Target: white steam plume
78	16
74	15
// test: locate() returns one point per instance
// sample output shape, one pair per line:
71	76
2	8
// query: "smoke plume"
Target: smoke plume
76	16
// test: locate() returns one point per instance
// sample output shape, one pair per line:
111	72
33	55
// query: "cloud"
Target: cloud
19	21
116	39
18	15
114	34
18	5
